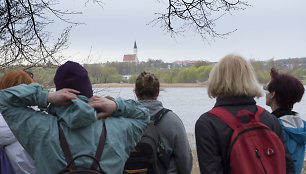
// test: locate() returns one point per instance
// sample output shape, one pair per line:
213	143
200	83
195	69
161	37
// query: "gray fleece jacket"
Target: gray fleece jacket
173	135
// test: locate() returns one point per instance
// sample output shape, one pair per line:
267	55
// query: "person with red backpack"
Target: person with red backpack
237	136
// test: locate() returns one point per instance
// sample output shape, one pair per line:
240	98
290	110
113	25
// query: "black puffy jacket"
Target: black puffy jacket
213	136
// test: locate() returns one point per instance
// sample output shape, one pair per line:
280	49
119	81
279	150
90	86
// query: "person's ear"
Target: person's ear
272	94
136	93
157	93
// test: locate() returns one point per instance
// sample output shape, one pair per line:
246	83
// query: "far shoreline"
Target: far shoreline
163	85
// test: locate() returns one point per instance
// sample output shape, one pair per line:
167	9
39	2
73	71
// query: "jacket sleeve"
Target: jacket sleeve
127	125
28	125
290	169
131	109
181	150
79	114
6	135
209	156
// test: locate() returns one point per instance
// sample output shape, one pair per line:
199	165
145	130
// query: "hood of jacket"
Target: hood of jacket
71	116
153	105
295	127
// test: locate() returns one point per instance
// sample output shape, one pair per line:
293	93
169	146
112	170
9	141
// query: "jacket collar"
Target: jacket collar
281	112
235	101
153	105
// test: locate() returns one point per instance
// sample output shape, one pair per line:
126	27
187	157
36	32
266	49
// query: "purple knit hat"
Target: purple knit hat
73	75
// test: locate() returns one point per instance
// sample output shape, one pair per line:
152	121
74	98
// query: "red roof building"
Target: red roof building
129	58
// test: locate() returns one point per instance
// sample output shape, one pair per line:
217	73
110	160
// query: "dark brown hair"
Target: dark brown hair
288	89
14	78
147	86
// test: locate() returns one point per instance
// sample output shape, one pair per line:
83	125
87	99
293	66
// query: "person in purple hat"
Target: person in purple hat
73	108
74	76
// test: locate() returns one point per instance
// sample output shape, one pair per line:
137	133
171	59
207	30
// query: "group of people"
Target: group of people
32	118
233	83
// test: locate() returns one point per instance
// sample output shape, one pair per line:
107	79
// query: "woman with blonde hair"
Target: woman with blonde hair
233	83
20	160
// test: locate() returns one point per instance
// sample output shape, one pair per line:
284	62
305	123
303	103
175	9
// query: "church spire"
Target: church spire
135	51
135	48
135	45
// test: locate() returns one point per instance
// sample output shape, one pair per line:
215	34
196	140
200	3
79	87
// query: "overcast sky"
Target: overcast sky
268	29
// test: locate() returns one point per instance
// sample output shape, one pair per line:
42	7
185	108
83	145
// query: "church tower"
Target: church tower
135	51
131	57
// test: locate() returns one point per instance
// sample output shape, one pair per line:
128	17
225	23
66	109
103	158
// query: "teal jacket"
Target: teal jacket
294	130
37	131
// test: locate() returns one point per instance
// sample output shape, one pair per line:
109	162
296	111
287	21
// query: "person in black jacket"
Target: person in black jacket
233	83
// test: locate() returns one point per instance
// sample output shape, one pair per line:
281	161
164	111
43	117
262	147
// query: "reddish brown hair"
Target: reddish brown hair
14	78
288	89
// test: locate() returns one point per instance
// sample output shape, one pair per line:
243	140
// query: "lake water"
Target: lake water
188	103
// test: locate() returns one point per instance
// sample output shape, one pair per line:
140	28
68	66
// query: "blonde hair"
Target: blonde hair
233	76
14	78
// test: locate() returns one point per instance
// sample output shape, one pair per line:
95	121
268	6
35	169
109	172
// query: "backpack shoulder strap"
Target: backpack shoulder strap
159	115
67	153
259	111
65	147
100	147
225	116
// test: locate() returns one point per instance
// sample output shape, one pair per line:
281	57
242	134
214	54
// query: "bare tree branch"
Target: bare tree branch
197	15
23	39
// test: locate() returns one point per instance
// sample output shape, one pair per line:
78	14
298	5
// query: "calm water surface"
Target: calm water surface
188	103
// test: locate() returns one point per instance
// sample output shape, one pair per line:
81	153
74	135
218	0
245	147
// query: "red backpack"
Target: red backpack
254	148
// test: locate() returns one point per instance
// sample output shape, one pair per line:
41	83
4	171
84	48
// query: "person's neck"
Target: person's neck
274	106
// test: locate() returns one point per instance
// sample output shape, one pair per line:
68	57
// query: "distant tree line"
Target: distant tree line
114	72
295	67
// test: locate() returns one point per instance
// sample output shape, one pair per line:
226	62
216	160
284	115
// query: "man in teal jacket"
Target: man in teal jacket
38	131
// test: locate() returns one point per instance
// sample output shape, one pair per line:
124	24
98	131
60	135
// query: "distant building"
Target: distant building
131	57
186	63
285	68
126	77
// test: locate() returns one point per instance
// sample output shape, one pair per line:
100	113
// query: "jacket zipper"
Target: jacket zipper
258	156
